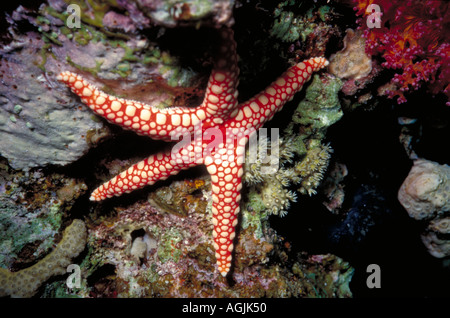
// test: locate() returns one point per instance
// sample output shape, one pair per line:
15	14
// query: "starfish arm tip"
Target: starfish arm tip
224	273
94	198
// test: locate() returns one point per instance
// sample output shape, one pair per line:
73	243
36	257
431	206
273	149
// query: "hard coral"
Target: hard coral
425	194
25	283
352	61
414	39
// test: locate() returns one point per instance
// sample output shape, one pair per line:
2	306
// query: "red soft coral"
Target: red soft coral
413	39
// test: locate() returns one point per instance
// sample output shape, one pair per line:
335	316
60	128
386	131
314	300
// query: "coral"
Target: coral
288	27
437	247
425	194
308	28
352	62
413	40
312	168
188	12
303	159
157	254
334	187
33	205
321	107
270	192
25	282
323	276
180	196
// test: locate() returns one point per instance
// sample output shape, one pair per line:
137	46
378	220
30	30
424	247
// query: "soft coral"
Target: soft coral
413	39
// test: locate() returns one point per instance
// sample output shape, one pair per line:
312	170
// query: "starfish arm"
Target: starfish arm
221	91
220	98
146	172
262	107
226	168
142	118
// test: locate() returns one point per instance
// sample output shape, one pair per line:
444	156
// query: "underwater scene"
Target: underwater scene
224	149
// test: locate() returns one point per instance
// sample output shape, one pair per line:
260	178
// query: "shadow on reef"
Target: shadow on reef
374	229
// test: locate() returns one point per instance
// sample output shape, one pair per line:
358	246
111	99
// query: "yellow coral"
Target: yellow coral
313	166
25	282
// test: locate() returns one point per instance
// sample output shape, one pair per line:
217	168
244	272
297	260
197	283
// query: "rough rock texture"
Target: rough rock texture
158	253
425	194
37	126
41	122
351	62
188	12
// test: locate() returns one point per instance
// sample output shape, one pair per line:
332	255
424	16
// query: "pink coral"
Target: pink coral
413	39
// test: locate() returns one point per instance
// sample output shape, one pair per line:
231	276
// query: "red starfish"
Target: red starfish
219	115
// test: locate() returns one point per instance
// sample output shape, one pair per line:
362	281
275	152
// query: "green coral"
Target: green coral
291	26
270	193
20	227
320	108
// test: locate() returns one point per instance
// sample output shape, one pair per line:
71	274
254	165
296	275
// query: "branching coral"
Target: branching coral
413	40
25	282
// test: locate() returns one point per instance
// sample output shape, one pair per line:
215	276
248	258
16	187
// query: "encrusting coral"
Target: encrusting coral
352	62
425	194
26	282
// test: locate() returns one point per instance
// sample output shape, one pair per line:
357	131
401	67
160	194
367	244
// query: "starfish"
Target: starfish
214	134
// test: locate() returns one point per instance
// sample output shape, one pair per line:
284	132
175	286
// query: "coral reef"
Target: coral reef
25	282
188	12
307	27
33	207
158	254
413	40
158	241
302	158
425	194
